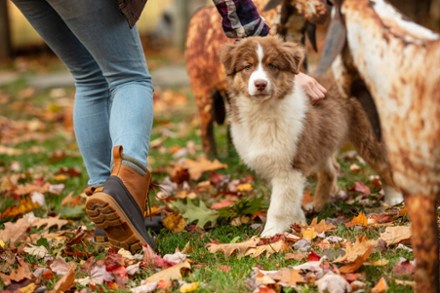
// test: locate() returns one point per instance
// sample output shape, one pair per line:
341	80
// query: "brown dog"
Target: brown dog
279	134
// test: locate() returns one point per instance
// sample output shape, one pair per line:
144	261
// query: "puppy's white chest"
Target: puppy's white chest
267	134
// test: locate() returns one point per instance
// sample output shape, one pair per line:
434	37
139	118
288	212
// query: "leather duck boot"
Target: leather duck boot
118	206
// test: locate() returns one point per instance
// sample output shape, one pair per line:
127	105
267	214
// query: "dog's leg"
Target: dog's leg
327	184
285	203
205	107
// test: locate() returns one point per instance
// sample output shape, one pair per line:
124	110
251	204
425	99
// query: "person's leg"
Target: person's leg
92	97
117	49
119	205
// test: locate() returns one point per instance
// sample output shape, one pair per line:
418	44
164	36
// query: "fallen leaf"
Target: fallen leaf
200	214
172	273
197	168
322	226
191	287
60	267
313	257
67	281
73	201
174	222
309	233
176	257
380	287
360	219
362	188
37	251
23	272
29	288
404	268
295	256
289	277
268	249
333	283
229	248
16	231
50	222
396	234
355	254
26	205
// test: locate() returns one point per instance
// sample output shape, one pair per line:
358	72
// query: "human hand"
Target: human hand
313	89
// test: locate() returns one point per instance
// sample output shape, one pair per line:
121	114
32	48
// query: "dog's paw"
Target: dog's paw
280	225
392	196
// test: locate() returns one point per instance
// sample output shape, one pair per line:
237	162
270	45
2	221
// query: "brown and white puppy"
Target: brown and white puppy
279	134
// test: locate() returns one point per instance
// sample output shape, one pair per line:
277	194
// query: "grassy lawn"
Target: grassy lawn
37	147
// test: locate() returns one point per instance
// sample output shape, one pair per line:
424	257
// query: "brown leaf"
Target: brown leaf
355	254
380	287
229	248
362	188
72	201
174	222
23	272
397	234
172	273
50	222
360	219
197	168
404	268
16	231
295	256
268	249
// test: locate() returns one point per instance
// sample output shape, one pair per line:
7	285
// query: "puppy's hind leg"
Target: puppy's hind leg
326	185
285	203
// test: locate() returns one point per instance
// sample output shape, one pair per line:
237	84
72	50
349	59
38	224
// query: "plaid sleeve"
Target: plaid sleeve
241	18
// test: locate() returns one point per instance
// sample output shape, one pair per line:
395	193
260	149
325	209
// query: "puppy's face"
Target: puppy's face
261	67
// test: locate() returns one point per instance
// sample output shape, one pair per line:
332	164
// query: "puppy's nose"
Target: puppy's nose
260	84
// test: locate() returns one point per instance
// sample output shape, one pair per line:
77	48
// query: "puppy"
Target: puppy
280	135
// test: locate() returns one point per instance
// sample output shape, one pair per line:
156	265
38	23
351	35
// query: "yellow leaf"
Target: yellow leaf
29	288
309	233
174	222
360	219
171	273
397	234
380	287
60	177
2	244
189	287
244	187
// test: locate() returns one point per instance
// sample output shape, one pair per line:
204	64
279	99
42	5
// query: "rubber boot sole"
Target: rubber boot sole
107	215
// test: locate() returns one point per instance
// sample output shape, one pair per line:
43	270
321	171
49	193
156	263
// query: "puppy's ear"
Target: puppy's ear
227	57
294	56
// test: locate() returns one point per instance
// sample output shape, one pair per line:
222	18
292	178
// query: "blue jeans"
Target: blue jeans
114	92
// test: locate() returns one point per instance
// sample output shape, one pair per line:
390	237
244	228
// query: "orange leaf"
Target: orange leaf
322	226
360	219
380	287
268	249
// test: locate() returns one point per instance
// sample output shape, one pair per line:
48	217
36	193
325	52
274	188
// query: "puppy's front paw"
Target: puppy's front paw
278	225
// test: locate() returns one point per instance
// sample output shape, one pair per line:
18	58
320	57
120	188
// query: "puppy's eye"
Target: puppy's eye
247	67
273	67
